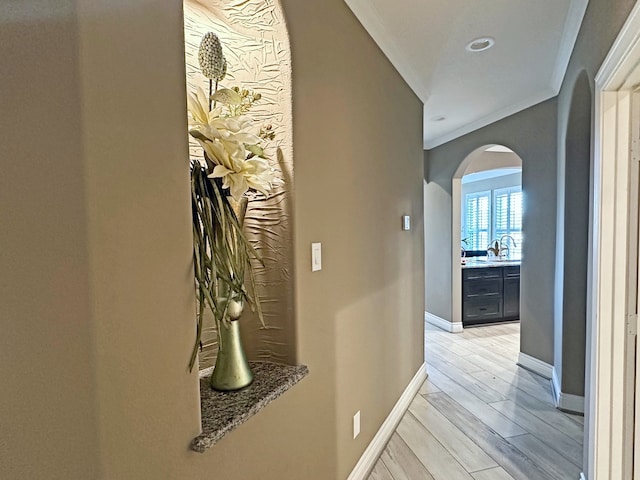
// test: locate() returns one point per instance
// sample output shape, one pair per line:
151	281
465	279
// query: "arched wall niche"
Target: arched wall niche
255	43
573	237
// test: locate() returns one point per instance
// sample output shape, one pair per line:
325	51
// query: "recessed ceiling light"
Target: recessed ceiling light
480	44
438	118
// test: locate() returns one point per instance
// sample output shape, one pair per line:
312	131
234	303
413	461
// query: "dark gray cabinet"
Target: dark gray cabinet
490	294
511	293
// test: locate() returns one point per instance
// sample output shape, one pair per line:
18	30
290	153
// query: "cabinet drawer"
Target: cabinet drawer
478	273
482	310
482	288
481	273
510	272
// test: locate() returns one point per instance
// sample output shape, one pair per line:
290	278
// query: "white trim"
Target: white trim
536	366
456	242
613	70
566	402
370	19
536	98
374	24
452	327
572	24
607	320
370	456
556	389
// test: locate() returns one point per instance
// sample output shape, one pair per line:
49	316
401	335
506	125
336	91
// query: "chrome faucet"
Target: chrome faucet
504	244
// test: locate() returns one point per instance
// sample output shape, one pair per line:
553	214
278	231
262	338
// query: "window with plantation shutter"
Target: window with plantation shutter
477	220
507	219
489	215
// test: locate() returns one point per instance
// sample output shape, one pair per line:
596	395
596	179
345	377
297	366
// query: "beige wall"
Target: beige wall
98	283
47	410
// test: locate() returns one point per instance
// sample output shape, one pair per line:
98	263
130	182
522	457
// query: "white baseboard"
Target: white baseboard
536	366
555	386
442	323
566	401
370	456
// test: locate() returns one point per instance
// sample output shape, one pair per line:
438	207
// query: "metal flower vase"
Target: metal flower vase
231	371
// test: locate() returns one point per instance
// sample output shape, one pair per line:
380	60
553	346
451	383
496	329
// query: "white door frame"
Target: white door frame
607	328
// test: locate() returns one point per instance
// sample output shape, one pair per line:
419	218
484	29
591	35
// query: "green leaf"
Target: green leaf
221	254
256	150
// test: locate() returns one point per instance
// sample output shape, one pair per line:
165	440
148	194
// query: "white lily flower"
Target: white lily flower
220	155
253	173
198	107
224	140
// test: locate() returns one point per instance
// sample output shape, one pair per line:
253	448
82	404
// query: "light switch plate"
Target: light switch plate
406	222
356	424
316	257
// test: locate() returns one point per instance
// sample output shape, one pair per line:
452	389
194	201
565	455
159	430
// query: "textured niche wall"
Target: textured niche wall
256	45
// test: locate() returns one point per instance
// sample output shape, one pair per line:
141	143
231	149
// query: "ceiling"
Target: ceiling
461	90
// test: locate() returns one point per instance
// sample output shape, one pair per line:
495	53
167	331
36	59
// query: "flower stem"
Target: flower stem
211	92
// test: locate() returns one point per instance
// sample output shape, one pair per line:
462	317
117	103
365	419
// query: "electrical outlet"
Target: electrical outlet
406	222
356	424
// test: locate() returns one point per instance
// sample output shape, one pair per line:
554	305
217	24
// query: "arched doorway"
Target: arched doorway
485	163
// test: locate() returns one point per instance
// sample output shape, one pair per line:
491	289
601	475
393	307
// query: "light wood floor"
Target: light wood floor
480	416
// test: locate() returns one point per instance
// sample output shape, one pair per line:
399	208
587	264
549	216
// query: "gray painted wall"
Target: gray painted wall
574	212
601	25
437	240
532	135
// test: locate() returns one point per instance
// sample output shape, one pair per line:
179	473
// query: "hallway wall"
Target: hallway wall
573	234
47	368
538	135
602	22
531	135
98	284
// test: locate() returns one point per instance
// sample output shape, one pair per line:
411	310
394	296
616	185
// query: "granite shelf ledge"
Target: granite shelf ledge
223	412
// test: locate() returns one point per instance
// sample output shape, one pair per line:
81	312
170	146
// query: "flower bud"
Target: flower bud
211	59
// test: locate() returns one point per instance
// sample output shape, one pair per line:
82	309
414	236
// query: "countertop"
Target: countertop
483	262
223	412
